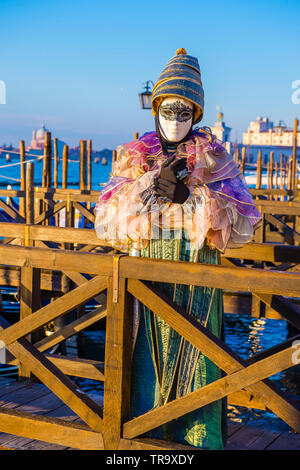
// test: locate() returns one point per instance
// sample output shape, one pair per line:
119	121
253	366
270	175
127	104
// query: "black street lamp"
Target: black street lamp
145	96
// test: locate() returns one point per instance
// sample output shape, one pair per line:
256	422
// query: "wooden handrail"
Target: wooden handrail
229	278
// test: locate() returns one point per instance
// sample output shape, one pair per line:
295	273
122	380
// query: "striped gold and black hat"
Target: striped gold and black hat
181	77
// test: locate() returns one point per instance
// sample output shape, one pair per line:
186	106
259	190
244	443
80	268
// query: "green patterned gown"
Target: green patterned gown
165	366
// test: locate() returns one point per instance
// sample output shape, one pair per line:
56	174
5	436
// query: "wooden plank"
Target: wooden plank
233	427
12	193
179	272
49	429
214	349
274	192
23	396
153	444
284	442
277	204
263	440
243	437
118	350
246	399
51	233
47	404
266	252
63	412
7	389
53	310
273	208
228	278
57	382
74	366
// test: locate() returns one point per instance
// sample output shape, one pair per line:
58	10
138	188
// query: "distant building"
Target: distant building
38	141
220	130
38	138
262	134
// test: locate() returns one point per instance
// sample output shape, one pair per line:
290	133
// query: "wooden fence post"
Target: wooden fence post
114	160
89	165
55	174
30	277
30	194
83	160
294	171
290	173
259	170
65	167
118	351
271	171
237	156
55	150
276	179
282	186
23	177
47	170
243	160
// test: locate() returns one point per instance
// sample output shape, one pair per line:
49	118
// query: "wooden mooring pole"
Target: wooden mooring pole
65	167
294	171
30	300
22	176
243	160
259	170
83	162
55	151
47	170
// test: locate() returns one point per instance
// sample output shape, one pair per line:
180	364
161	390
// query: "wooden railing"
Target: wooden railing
43	203
245	383
281	257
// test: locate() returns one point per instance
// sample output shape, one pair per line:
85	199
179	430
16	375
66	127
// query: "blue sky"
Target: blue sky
78	66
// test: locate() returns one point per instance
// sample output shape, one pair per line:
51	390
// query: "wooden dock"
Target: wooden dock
39	400
69	266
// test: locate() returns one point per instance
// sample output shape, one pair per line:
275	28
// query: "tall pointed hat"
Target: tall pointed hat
181	77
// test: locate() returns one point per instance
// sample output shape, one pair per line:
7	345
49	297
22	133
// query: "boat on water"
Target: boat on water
104	161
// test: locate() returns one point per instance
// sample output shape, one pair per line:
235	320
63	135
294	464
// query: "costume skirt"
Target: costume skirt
166	366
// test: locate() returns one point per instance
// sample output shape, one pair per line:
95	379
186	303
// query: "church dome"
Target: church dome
40	134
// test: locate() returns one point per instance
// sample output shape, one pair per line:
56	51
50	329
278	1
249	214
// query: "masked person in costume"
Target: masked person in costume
177	194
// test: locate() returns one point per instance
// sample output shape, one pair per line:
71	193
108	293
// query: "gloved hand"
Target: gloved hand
168	184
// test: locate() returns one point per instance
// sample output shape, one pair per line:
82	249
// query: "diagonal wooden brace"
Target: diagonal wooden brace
55	380
213	348
53	310
209	393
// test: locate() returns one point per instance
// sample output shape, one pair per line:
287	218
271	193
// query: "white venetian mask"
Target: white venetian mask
175	118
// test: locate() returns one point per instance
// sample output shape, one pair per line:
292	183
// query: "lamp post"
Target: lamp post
145	96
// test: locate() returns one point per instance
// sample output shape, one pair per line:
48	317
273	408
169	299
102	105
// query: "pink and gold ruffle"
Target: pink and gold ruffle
220	209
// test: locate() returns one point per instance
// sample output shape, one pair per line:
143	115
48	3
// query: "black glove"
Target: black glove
168	184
